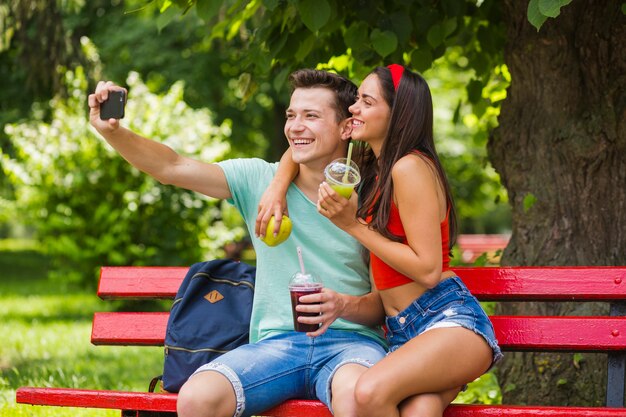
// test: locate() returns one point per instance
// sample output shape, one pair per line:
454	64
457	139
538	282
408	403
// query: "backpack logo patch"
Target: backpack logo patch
214	296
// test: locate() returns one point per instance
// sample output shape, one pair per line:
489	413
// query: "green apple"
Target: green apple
283	233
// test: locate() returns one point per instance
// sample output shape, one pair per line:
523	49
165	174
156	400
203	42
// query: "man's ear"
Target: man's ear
346	129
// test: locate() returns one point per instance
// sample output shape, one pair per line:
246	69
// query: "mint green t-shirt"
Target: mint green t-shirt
327	250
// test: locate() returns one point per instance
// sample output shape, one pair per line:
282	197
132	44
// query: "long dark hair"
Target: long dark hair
410	130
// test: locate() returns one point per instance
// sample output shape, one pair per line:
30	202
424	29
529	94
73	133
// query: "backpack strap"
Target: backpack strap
157	380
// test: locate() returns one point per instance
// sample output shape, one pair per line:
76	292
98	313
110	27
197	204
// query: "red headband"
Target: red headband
396	74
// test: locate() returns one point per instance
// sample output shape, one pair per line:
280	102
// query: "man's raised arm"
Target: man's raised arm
154	158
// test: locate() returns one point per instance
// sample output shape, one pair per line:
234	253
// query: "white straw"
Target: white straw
300	259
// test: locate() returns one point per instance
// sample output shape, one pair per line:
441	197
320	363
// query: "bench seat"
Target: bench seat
292	408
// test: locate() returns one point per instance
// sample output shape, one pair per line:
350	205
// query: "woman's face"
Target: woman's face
370	113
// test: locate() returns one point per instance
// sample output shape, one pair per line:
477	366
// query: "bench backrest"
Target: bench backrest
487	283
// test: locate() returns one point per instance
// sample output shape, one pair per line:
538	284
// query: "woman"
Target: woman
439	337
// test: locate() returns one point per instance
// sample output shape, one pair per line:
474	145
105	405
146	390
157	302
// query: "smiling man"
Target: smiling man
279	363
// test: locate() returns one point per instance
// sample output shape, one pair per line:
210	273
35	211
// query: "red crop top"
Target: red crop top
386	277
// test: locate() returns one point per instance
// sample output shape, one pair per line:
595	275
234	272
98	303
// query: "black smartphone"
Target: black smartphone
113	107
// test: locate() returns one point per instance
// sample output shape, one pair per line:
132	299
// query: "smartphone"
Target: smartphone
113	107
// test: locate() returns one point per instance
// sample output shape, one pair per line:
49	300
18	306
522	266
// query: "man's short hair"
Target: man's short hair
344	89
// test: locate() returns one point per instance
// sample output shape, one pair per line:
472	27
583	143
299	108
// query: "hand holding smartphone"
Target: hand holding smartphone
113	107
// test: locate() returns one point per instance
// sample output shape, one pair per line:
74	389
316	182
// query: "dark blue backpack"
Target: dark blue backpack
210	316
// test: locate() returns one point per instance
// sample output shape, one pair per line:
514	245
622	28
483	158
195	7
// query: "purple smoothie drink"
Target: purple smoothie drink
300	285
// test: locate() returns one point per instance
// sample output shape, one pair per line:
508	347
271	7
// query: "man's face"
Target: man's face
312	128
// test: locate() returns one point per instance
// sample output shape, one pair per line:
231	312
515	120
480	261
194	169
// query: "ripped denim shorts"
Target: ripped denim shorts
291	365
449	304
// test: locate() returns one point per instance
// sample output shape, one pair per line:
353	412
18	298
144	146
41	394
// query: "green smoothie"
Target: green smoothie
342	176
344	190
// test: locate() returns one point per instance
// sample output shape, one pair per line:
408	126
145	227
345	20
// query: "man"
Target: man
279	363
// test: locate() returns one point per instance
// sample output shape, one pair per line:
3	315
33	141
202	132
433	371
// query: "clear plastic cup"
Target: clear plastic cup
341	177
299	285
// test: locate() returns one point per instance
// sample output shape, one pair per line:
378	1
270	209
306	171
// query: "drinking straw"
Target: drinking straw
299	249
345	175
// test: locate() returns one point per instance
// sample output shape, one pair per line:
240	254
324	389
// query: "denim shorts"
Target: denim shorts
449	304
291	365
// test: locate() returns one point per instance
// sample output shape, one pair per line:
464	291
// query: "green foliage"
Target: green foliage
314	13
208	8
91	208
278	36
578	358
181	50
484	390
540	10
383	42
461	133
529	201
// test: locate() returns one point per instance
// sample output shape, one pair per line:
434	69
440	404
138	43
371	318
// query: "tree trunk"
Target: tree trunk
561	153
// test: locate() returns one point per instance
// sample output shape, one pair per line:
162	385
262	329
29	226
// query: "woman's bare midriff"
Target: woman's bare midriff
397	299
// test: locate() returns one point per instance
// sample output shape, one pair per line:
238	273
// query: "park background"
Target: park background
529	99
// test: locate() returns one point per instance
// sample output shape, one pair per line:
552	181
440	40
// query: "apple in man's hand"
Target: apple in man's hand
283	233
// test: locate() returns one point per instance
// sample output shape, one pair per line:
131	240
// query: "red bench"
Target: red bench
606	334
472	246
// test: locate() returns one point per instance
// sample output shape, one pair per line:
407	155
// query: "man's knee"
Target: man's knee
345	378
206	394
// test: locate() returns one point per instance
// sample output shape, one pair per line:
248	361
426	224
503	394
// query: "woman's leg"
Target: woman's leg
428	405
433	362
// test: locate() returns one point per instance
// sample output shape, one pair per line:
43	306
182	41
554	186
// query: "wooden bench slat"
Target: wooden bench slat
140	281
545	283
530	411
513	332
121	400
508	283
129	328
582	333
125	400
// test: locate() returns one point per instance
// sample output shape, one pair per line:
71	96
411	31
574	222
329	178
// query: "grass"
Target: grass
46	328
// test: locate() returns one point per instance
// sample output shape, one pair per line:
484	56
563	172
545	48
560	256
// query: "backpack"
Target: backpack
210	316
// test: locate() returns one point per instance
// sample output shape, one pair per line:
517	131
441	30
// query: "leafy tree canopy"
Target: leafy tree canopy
275	37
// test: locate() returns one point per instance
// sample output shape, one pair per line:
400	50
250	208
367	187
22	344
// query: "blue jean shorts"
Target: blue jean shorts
291	365
449	304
